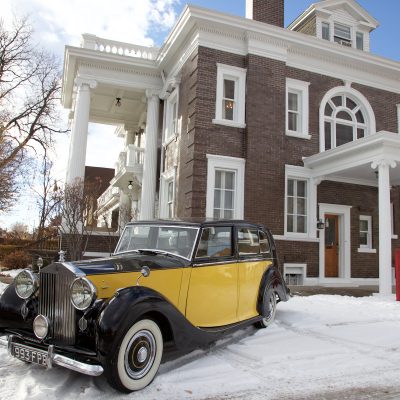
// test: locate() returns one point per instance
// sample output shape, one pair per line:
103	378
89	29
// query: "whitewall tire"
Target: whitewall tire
139	356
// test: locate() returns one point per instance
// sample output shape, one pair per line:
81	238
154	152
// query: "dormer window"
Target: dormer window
342	34
360	41
326	31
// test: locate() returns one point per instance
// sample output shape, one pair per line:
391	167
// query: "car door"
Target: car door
254	258
213	294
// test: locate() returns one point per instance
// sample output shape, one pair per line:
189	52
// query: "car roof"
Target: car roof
197	223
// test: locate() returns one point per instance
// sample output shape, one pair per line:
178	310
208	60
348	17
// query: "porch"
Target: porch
371	161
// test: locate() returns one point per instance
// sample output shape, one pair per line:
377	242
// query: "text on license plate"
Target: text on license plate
29	355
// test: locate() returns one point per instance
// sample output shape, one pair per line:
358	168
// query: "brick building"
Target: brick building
296	128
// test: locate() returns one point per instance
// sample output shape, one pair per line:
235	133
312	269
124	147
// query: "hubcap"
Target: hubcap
140	354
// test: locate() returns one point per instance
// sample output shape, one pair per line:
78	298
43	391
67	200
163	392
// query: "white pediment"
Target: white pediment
348	10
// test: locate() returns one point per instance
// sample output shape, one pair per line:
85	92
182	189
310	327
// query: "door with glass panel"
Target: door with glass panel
331	246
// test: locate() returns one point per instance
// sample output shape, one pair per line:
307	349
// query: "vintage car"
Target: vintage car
169	286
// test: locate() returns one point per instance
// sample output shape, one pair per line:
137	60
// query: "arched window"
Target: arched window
345	116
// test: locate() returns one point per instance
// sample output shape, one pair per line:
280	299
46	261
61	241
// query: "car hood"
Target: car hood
129	262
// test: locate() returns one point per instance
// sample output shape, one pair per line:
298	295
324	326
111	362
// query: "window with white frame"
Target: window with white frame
365	232
167	194
170	198
296	206
345	120
326	31
297	98
171	120
359	40
230	96
342	34
225	187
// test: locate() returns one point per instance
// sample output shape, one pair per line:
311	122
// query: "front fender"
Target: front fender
130	304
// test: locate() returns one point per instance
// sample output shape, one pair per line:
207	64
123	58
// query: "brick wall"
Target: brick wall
267	149
269	11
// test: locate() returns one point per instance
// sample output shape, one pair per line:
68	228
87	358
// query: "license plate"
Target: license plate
29	354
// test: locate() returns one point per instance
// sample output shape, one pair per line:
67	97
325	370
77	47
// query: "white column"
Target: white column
150	157
385	232
79	131
125	208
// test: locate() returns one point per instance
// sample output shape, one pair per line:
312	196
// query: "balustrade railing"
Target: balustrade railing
114	47
109	193
135	155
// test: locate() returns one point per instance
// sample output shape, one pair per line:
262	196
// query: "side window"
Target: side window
248	242
215	242
264	243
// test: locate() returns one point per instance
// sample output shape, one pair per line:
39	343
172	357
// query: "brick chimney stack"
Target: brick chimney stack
268	11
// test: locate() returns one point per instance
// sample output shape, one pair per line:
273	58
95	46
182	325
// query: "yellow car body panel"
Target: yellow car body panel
164	281
212	297
250	274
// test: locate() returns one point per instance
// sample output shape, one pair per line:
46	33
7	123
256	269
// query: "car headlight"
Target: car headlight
83	293
26	284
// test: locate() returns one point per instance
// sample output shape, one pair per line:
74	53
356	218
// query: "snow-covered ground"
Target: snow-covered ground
321	347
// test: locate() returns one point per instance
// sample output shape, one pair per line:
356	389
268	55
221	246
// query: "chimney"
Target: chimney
268	11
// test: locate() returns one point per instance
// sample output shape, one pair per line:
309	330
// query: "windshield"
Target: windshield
171	239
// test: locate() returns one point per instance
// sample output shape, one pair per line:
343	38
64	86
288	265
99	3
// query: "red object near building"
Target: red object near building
397	274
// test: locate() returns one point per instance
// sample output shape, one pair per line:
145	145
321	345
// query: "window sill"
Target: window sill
298	135
395	237
227	122
296	238
366	250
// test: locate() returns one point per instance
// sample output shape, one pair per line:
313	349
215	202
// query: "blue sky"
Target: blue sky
384	40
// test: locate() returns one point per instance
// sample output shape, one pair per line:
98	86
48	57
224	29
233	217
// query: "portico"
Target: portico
120	88
370	161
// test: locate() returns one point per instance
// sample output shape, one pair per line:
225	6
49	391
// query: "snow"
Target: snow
320	347
12	272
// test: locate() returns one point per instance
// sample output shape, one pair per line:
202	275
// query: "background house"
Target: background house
296	128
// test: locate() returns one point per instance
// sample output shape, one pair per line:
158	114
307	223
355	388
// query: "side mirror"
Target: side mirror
145	271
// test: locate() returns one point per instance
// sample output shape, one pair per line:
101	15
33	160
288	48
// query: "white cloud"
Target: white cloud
58	23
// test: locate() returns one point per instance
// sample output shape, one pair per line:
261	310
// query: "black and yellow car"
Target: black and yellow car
169	285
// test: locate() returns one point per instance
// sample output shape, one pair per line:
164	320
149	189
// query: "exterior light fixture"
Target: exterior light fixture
118	102
130	185
320	224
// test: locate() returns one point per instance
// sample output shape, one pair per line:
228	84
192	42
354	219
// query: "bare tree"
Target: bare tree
48	197
29	99
75	212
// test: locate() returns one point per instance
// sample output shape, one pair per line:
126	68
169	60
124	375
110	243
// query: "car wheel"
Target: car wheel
268	308
138	357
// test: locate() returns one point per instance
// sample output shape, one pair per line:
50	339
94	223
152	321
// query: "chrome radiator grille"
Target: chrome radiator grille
55	304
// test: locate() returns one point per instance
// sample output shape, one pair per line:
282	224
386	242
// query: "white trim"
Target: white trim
398	118
344	239
302	89
238	75
358	98
295	238
366	250
228	123
230	164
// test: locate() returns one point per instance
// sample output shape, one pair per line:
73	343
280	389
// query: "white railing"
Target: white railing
121	163
110	192
135	155
93	42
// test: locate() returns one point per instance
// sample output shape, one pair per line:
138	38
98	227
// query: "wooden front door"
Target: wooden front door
331	246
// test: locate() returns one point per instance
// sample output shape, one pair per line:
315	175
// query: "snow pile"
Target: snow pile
320	346
11	272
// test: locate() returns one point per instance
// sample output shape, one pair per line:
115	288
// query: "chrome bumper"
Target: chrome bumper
57	359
